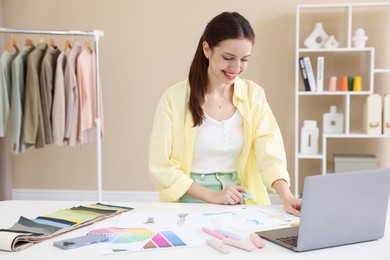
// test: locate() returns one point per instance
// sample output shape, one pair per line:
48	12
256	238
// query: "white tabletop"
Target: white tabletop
10	211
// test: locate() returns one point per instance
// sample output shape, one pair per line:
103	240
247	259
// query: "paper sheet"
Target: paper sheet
135	232
242	218
161	220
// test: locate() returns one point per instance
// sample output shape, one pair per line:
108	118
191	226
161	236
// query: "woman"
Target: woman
214	137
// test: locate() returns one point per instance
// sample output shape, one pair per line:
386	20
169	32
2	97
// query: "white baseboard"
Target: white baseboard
83	195
91	195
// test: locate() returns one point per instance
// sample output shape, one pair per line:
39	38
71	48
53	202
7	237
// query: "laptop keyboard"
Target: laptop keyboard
293	240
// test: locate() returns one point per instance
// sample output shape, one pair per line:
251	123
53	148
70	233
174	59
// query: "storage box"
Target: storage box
354	162
372	117
386	115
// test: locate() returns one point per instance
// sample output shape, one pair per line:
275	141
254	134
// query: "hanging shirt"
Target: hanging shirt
48	68
58	108
33	129
86	78
5	88
17	103
71	95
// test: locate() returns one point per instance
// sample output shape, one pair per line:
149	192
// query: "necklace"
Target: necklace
219	105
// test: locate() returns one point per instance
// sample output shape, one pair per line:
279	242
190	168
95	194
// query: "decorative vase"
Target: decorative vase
333	122
309	137
317	37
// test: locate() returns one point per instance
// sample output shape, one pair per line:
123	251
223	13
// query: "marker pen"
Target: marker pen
219	245
213	233
246	195
228	234
239	244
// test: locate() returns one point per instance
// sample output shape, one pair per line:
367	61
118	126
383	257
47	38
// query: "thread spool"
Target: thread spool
357	83
332	83
343	83
350	83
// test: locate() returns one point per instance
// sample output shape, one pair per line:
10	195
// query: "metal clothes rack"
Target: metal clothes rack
97	34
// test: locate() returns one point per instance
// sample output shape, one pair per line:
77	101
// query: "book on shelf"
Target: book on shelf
320	73
310	73
304	74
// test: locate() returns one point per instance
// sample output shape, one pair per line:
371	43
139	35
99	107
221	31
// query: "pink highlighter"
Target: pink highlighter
213	233
256	240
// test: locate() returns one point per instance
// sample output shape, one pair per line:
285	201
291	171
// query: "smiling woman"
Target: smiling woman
213	152
226	62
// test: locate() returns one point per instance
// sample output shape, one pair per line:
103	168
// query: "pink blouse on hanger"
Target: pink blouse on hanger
86	81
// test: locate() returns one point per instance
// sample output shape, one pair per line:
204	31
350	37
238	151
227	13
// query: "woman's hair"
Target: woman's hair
227	25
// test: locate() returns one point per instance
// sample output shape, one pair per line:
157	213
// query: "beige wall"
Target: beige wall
148	46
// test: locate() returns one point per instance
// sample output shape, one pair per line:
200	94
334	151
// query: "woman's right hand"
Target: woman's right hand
229	196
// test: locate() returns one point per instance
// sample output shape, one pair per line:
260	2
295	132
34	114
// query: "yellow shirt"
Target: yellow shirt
261	162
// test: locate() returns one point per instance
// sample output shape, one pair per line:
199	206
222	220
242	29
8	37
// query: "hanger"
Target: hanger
11	46
87	46
51	44
76	43
28	42
67	45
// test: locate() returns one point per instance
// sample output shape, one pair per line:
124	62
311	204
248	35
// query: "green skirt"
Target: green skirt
213	181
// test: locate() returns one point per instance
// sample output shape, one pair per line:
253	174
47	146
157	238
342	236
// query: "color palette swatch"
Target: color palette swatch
126	240
124	235
79	215
133	239
164	239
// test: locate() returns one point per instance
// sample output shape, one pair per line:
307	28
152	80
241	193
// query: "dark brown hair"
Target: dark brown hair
227	25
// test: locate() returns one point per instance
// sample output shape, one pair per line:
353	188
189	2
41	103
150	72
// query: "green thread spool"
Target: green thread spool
350	83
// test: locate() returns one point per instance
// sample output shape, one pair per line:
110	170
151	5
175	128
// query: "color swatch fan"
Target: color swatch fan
27	231
124	235
122	240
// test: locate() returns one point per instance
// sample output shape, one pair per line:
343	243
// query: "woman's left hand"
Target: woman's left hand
293	206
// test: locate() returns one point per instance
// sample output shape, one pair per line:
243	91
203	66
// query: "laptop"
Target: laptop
338	209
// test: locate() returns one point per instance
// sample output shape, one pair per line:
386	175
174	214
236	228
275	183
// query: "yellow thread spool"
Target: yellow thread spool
357	83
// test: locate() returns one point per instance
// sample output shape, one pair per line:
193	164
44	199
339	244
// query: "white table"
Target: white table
10	211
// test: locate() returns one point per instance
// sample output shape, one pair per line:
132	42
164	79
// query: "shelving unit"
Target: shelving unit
338	20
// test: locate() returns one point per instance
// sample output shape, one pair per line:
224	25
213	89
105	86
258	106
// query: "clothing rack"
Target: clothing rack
97	34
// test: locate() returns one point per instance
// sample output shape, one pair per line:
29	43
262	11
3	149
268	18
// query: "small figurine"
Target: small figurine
360	38
331	43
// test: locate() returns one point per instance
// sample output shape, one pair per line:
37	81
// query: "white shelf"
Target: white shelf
333	93
365	66
310	156
305	50
355	135
342	5
381	70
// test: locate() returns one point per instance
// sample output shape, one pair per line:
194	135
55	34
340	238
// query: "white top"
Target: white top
218	145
